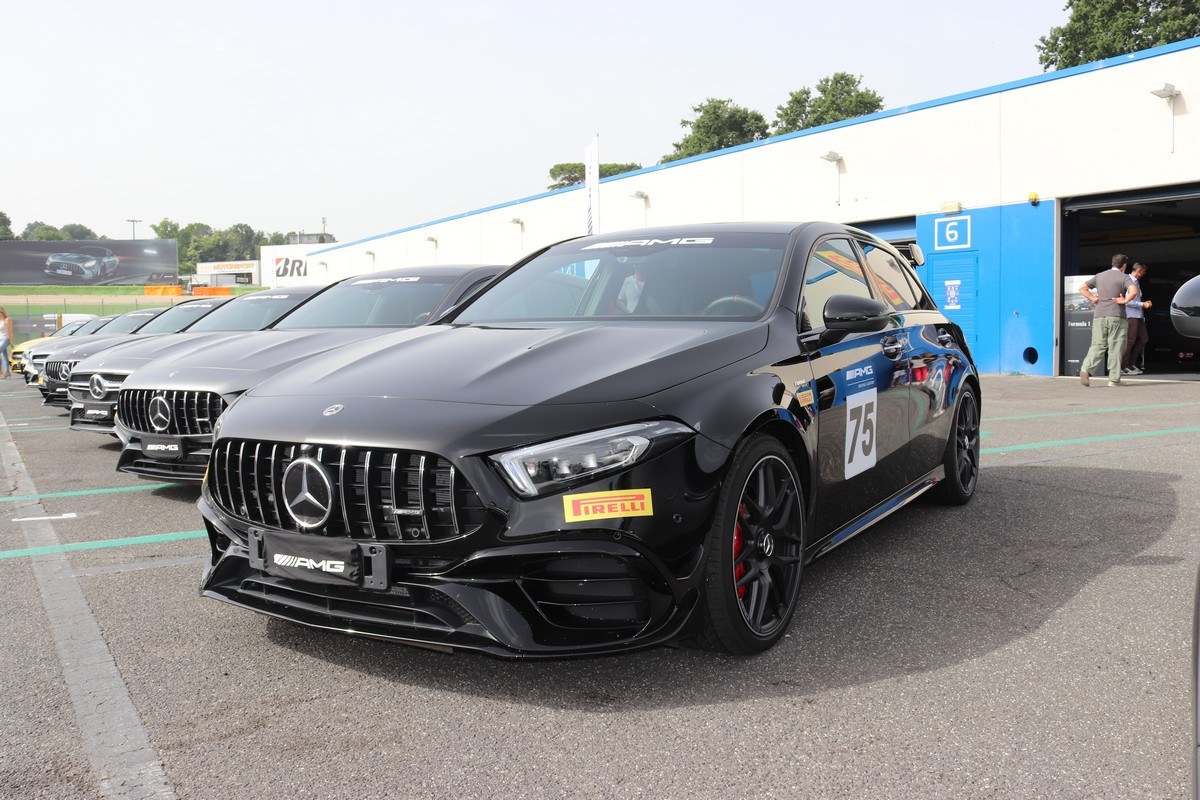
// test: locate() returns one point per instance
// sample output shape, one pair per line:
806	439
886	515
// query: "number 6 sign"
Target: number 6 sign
952	233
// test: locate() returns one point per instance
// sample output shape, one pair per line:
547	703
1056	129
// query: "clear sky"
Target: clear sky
380	115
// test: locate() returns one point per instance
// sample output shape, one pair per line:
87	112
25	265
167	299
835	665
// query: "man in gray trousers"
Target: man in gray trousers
1109	291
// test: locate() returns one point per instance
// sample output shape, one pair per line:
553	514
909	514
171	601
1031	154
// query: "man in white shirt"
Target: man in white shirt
631	291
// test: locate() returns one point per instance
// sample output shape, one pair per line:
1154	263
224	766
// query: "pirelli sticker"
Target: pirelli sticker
608	505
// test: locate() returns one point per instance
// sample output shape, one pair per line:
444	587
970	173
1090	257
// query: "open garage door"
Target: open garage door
1159	227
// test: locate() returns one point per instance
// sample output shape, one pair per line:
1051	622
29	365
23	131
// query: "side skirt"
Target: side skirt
868	518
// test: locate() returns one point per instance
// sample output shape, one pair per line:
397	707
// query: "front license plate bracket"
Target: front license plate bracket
368	565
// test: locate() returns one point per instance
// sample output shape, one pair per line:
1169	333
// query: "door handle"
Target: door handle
892	347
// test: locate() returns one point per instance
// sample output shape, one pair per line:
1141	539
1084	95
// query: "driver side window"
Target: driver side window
832	268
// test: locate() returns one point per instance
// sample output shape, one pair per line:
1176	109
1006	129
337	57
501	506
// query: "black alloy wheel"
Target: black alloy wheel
961	461
755	551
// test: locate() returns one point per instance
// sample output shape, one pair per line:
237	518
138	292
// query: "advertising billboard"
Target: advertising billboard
288	265
90	263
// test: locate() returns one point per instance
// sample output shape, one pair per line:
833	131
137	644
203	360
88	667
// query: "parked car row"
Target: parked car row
621	441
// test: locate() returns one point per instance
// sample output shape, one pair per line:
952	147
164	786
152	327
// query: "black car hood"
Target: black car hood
58	344
118	357
90	346
235	364
565	363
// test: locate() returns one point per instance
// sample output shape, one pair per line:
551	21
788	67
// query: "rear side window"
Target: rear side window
832	268
892	279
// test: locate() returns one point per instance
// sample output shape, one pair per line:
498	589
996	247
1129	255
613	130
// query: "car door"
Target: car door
859	391
929	355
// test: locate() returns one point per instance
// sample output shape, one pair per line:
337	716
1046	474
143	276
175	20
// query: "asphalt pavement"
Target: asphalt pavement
1032	644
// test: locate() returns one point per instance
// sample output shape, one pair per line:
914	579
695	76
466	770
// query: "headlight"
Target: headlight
91	262
553	465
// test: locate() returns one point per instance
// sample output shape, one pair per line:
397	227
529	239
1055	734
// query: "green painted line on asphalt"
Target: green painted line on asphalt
1122	409
126	542
1089	440
84	492
30	419
31	430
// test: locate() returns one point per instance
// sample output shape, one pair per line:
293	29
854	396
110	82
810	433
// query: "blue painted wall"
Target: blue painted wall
1003	260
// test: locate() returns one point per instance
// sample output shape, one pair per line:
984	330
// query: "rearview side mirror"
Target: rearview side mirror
848	313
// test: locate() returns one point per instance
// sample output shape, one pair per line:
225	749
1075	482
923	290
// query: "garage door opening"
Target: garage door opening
1159	228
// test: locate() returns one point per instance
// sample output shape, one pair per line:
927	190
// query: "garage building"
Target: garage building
1011	191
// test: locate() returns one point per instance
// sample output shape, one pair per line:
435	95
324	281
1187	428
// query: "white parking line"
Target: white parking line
72	515
115	740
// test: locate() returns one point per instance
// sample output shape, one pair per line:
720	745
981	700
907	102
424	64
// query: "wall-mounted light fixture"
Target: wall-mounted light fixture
432	239
835	158
640	195
952	207
517	221
1168	92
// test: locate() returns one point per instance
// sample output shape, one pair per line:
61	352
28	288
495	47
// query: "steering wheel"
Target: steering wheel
753	305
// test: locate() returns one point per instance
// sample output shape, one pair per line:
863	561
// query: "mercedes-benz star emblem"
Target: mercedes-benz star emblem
766	545
307	493
97	386
329	412
160	413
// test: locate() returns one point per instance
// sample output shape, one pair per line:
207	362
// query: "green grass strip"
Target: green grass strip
128	541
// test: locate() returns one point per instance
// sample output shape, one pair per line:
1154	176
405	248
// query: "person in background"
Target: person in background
1138	336
1109	291
631	291
6	340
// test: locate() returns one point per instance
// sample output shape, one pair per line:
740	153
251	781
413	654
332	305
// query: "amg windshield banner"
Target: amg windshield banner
90	263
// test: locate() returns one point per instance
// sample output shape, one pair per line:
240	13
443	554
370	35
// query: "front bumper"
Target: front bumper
545	599
525	583
181	459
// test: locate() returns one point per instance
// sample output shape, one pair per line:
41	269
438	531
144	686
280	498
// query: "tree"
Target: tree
78	233
718	124
571	173
6	231
39	231
838	96
1100	29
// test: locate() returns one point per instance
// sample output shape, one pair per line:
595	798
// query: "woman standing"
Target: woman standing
6	339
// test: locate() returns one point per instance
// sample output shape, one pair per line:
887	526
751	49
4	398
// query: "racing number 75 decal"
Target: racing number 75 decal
860	431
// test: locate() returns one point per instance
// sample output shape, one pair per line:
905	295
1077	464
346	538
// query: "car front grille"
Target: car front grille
395	495
190	413
56	265
80	386
59	370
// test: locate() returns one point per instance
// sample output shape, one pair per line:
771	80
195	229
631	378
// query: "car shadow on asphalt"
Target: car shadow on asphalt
925	589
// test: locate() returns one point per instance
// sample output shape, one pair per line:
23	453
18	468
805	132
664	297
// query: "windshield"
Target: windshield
93	325
253	312
179	317
727	275
128	323
372	302
70	327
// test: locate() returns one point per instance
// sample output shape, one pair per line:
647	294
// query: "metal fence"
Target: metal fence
33	317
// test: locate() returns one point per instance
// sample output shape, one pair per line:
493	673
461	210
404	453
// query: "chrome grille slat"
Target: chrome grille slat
193	412
411	497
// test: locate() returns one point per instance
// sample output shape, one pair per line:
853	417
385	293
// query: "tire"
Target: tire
961	460
754	552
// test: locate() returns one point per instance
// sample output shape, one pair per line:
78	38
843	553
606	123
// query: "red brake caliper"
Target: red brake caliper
739	542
